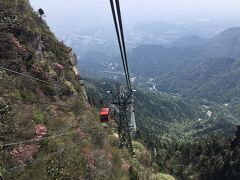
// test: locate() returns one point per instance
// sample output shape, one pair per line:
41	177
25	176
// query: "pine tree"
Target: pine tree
41	12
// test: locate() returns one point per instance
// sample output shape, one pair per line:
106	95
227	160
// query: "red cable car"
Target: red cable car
104	115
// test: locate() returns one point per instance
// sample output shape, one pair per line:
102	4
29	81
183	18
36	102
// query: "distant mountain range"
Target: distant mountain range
188	41
209	68
102	38
189	66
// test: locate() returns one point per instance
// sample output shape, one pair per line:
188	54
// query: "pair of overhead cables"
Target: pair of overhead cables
33	78
37	139
116	12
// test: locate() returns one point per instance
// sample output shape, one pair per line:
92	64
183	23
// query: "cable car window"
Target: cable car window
104	118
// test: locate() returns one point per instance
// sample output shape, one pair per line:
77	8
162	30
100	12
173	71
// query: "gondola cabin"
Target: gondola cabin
105	115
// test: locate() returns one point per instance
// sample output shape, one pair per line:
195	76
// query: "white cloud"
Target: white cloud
180	22
204	20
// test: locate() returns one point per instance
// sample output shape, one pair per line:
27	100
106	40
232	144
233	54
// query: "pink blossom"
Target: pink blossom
41	131
125	166
59	66
80	134
90	165
56	112
21	48
39	92
36	69
109	156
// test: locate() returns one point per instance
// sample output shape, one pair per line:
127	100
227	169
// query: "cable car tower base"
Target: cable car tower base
124	129
122	100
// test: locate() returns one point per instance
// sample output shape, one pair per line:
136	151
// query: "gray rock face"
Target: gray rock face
73	58
36	43
76	72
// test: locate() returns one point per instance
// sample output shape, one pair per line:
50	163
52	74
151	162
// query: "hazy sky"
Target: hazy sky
97	11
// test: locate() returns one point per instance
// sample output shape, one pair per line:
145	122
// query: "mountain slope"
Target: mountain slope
168	117
47	128
186	137
188	41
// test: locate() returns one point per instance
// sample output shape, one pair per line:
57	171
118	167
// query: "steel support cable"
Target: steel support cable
123	41
39	102
33	102
46	138
119	39
37	139
33	78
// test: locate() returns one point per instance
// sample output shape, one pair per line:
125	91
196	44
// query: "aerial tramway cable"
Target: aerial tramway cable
37	139
123	42
119	39
33	78
33	101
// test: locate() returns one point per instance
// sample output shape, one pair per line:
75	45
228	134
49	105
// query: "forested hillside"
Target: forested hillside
170	117
48	130
183	139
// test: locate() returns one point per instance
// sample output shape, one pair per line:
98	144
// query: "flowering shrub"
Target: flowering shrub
91	166
125	166
59	66
39	92
41	131
109	156
56	112
18	45
36	69
80	134
24	154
